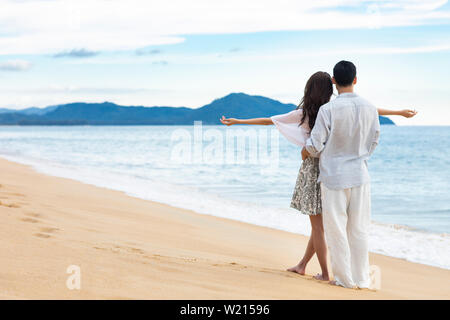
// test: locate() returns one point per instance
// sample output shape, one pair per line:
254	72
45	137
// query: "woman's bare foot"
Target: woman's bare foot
321	277
300	269
333	283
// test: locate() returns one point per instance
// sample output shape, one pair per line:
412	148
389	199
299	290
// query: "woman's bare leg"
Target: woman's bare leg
317	245
309	253
320	245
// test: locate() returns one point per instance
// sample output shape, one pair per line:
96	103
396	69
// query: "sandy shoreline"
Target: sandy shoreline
129	248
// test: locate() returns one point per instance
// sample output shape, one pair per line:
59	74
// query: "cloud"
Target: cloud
15	65
43	26
141	52
413	4
407	50
161	63
42	96
76	53
295	55
68	90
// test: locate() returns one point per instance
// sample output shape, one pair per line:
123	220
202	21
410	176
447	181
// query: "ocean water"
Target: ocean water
198	169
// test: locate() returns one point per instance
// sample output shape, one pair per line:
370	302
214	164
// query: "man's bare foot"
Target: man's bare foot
321	277
300	269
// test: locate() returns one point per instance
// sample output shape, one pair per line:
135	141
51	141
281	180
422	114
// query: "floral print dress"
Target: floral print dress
306	197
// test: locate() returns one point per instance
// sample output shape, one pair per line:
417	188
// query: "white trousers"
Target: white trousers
346	220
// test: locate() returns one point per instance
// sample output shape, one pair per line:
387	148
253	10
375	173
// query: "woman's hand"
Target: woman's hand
229	121
407	113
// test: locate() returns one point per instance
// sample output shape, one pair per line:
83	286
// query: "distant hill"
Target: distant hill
29	111
236	105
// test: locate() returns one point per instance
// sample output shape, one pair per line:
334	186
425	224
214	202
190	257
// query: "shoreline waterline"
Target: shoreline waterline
391	240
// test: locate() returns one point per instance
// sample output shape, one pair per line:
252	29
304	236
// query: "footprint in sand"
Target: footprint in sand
121	249
32	214
13	205
169	259
233	264
31	220
9	205
14	194
46	232
99	248
282	273
49	230
42	235
136	250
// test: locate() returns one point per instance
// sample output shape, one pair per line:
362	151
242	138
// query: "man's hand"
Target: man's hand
305	154
408	113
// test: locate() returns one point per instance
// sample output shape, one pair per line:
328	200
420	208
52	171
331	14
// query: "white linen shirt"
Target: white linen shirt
345	134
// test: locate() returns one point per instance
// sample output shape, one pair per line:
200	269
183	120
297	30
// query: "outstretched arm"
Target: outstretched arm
260	121
407	113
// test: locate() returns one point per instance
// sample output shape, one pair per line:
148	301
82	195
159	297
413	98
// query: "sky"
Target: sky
188	53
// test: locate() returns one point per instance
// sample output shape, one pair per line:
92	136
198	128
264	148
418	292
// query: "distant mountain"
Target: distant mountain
30	111
240	105
233	105
386	120
38	111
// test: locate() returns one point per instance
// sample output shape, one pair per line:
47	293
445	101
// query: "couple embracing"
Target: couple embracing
337	138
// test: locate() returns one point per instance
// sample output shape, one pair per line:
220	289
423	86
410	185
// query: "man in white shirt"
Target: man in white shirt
345	134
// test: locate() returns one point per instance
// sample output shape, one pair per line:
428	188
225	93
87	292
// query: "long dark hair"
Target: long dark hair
318	91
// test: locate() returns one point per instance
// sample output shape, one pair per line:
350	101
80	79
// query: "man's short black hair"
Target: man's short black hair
344	72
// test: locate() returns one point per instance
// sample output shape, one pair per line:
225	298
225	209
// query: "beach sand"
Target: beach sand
129	248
